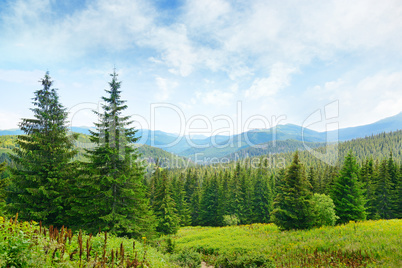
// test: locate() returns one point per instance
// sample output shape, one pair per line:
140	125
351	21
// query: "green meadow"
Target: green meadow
356	244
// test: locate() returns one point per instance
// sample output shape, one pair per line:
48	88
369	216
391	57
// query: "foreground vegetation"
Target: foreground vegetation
24	244
356	244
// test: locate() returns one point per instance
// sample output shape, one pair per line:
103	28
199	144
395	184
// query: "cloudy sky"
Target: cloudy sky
233	63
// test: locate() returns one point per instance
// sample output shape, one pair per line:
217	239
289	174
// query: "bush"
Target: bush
187	258
323	210
14	244
243	261
230	220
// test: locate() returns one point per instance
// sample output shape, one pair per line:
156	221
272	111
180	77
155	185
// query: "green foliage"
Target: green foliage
356	244
347	193
15	245
323	210
110	195
262	198
292	204
209	203
229	220
242	261
164	206
42	171
383	190
187	258
24	244
179	197
4	181
236	196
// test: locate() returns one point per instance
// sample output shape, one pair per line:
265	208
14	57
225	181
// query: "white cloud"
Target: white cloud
165	87
18	76
176	49
258	45
33	31
216	97
361	102
278	79
207	13
9	120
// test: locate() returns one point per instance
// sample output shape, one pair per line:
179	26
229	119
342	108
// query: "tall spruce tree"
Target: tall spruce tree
398	194
224	194
384	192
262	199
112	196
164	206
209	202
43	170
367	177
247	195
236	201
292	205
179	195
347	193
394	176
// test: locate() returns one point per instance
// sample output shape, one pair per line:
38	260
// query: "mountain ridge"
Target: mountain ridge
220	145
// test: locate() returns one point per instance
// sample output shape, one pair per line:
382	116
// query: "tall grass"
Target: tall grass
356	244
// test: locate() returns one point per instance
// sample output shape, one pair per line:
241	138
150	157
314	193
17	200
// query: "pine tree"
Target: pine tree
165	208
292	204
195	205
43	173
112	196
347	193
182	207
393	174
236	201
209	202
367	177
247	195
398	196
384	192
262	199
278	181
312	178
223	196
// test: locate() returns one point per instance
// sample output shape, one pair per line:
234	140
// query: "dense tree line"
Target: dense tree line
290	196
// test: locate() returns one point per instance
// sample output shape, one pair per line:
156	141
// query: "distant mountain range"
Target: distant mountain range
250	141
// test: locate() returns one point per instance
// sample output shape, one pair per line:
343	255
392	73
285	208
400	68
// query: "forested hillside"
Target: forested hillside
273	147
377	146
244	191
148	153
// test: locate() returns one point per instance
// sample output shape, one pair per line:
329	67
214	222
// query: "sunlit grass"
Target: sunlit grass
377	243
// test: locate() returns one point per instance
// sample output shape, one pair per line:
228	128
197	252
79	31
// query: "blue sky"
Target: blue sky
206	59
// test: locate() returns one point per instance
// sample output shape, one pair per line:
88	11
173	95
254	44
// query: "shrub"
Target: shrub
323	210
230	220
14	244
187	258
243	261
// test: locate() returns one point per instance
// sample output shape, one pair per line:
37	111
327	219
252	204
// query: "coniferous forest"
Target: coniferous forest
108	190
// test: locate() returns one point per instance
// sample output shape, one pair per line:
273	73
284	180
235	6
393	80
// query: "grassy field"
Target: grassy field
361	244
